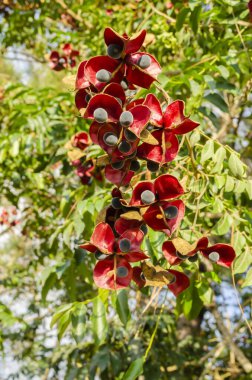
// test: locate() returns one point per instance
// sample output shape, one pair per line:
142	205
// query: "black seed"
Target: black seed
147	197
152	166
87	98
119	101
124	84
124	147
114	51
171	212
100	115
194	258
173	280
214	256
116	204
122	272
149	127
130	136
180	256
100	256
117	165
144	228
142	276
103	76
144	61
110	139
124	245
126	119
134	166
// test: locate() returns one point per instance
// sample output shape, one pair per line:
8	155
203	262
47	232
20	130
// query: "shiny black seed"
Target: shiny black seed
100	256
122	272
147	197
124	85
130	136
100	115
124	245
171	212
126	119
142	276
124	147
103	76
214	256
180	256
110	139
149	127
87	98
116	204
144	228
152	166
117	165
114	51
194	258
134	166
144	61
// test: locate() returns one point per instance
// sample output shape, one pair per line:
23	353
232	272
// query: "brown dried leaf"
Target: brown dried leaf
147	137
182	246
156	275
102	160
75	154
132	215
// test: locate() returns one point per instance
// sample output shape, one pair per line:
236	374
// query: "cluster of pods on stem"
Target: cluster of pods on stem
139	137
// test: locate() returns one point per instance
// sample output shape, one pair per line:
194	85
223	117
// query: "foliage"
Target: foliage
205	50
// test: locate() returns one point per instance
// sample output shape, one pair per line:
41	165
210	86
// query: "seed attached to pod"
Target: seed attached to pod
87	98
171	212
144	62
116	204
122	272
149	127
130	136
114	51
134	166
152	166
100	256
100	115
180	256
110	139
124	245
117	165
144	228
124	146
214	256
194	258
126	119
147	197
124	85
103	76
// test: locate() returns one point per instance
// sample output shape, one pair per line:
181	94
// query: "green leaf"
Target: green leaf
99	321
195	17
134	370
205	292
122	306
248	279
223	225
180	19
229	185
218	101
78	319
48	285
59	313
235	165
207	151
224	71
249	188
243	261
